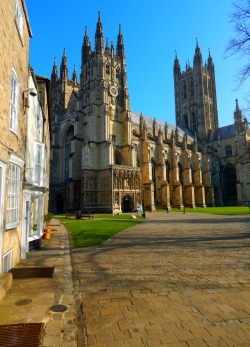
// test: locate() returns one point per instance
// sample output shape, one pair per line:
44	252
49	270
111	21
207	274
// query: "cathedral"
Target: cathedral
107	158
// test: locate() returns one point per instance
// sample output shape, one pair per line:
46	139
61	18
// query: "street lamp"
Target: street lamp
143	207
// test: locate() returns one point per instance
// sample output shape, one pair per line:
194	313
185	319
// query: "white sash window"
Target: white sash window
13	195
14	100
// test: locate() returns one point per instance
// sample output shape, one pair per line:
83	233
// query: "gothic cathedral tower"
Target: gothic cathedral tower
93	162
195	96
104	110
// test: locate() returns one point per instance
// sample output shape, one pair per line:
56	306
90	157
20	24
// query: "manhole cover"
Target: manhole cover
58	308
23	302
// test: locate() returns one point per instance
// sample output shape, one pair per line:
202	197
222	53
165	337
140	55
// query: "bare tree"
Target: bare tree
240	44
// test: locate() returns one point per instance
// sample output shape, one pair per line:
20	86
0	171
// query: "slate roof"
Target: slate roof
135	118
222	133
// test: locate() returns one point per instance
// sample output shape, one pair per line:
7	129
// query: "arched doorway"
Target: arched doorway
229	185
59	204
127	203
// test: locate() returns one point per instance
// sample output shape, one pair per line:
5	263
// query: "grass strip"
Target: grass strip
87	233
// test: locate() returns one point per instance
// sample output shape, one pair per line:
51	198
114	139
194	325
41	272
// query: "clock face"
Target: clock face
113	91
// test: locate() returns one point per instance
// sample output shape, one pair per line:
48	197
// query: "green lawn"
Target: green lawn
86	233
228	210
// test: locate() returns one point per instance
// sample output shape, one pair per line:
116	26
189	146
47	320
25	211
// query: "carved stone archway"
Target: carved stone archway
127	203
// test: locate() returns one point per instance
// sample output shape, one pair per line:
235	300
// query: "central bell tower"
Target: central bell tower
104	110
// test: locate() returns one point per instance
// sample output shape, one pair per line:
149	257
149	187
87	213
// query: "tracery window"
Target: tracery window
118	158
153	169
107	69
180	170
185	121
138	163
167	167
117	73
184	89
192	86
194	122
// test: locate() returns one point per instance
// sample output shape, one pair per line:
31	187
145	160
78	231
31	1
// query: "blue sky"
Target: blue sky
153	30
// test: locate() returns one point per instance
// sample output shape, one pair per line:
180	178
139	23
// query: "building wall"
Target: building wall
14	53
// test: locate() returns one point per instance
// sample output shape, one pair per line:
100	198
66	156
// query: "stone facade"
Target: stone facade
21	110
227	147
105	157
14	56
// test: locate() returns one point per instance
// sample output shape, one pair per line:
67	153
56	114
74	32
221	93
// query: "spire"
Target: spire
107	45
177	67
166	131
64	66
99	41
86	47
237	113
154	127
112	48
197	55
141	123
54	74
74	76
120	45
210	63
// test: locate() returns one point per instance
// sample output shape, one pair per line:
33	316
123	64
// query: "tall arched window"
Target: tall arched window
153	167
192	86
118	158
185	118
180	173
167	168
67	150
194	122
107	69
184	89
138	162
153	170
117	73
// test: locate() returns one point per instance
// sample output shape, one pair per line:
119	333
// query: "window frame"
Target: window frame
39	166
14	102
13	195
19	17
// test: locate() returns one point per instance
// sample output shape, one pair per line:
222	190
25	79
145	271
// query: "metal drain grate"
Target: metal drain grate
20	335
32	272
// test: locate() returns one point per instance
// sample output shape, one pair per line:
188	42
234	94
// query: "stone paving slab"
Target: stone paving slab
174	280
30	300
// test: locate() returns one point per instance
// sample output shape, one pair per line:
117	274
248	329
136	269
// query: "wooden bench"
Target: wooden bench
86	215
70	214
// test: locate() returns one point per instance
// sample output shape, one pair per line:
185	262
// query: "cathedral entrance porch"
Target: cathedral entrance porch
127	203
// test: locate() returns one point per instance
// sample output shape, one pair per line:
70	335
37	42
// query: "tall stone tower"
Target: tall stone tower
104	110
91	126
195	96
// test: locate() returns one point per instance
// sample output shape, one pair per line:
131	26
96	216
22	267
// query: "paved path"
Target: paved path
174	280
30	300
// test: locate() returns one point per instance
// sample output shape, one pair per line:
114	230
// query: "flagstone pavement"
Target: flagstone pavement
175	280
